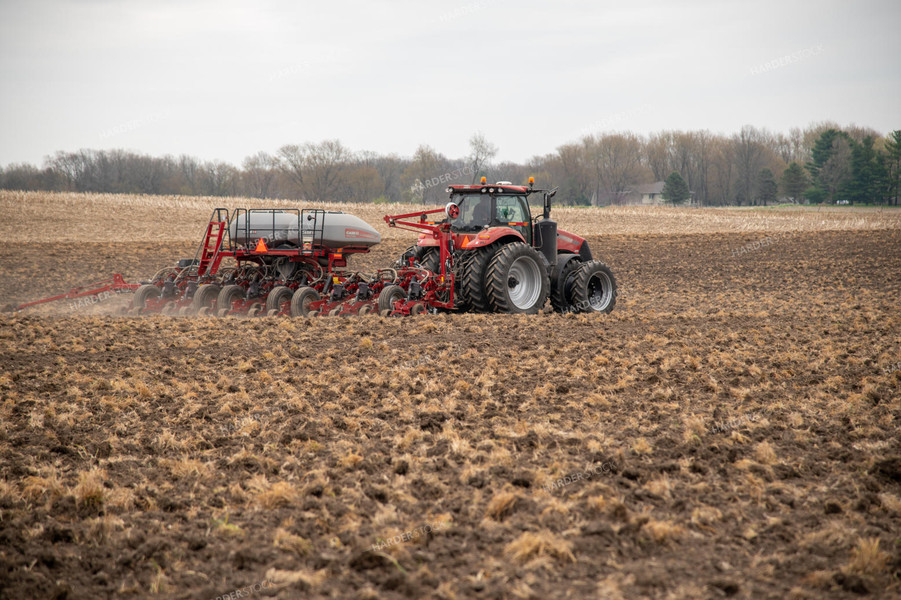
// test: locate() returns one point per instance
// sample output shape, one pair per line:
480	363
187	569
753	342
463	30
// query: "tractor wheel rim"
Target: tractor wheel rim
524	283
600	290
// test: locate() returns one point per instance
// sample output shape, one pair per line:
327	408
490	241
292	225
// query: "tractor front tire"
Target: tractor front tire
594	288
517	280
430	259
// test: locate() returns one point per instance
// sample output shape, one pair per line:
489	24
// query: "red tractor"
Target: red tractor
505	260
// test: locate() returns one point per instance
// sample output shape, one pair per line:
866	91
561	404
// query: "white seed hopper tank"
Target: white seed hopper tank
280	227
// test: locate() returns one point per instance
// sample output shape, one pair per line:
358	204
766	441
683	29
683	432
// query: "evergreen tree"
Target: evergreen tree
830	166
794	182
892	165
869	178
767	189
675	189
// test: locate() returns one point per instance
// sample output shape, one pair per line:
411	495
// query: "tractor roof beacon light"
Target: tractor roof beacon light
484	180
531	181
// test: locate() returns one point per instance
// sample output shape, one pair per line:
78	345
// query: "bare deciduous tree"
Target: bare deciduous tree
616	163
480	152
259	174
748	152
318	170
425	169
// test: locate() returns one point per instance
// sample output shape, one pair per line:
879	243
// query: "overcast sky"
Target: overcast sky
224	79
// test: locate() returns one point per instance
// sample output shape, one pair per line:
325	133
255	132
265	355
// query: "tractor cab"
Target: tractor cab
481	207
488	214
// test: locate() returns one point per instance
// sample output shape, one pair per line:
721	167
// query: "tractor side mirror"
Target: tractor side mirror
452	210
547	203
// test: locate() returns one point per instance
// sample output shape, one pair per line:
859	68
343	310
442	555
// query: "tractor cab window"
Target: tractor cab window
509	210
475	212
512	211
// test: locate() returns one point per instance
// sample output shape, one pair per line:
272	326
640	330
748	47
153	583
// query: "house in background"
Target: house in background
651	194
648	193
645	194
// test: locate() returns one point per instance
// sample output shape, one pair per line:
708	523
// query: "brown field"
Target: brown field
730	430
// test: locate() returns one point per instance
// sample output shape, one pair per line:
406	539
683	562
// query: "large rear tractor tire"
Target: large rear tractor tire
594	288
143	294
517	280
389	295
474	271
300	301
204	297
276	297
227	296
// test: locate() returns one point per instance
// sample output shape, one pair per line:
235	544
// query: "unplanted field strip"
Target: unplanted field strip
69	217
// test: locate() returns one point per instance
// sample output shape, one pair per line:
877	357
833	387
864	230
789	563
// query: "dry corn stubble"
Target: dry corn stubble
285	450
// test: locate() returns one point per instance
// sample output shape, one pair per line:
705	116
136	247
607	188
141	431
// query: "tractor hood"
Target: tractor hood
566	241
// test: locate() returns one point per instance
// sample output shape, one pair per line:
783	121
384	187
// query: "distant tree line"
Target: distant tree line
822	163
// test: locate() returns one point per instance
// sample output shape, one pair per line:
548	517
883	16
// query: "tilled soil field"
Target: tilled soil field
730	430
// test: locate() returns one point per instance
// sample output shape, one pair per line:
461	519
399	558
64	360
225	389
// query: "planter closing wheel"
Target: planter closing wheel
205	297
227	296
277	298
144	293
300	301
389	295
